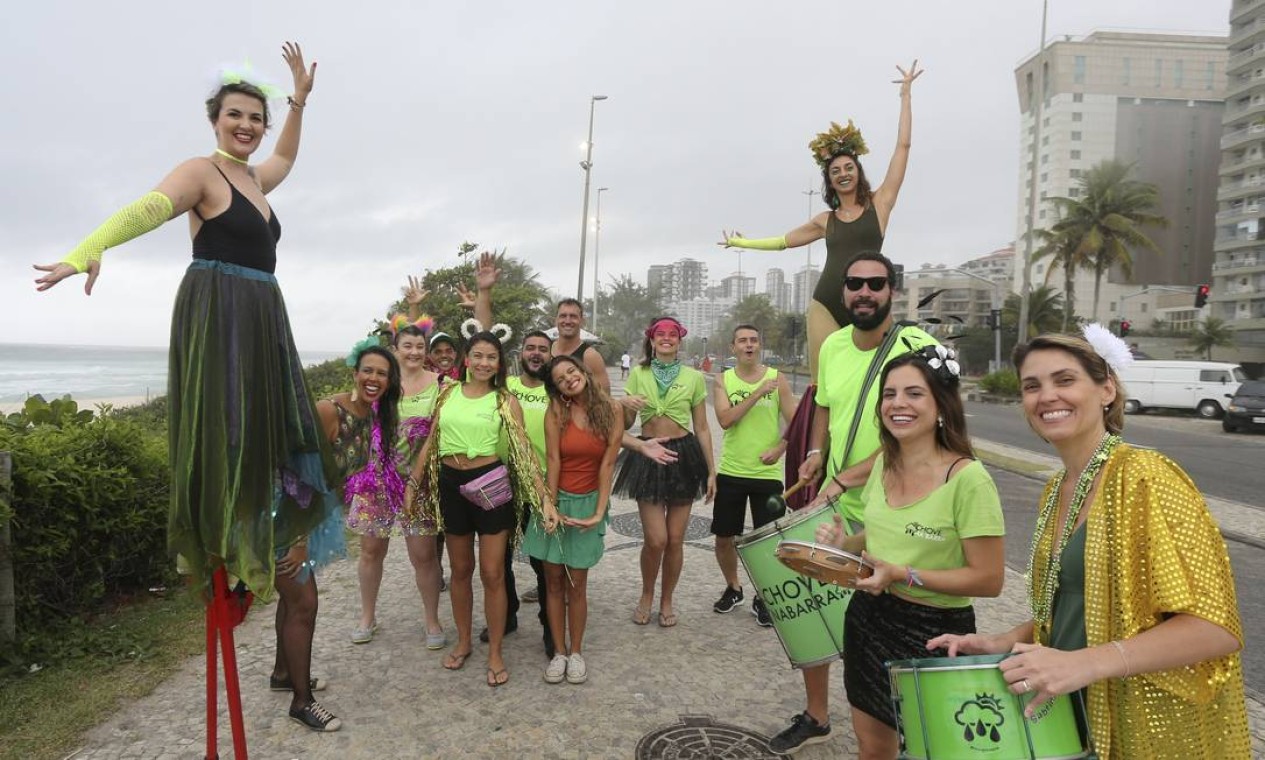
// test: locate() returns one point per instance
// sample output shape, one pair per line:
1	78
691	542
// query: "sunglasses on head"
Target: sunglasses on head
875	283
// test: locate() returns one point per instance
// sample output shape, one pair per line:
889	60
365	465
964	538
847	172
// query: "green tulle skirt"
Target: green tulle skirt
250	467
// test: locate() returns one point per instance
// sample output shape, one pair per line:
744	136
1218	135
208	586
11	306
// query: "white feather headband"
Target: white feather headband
472	327
1108	345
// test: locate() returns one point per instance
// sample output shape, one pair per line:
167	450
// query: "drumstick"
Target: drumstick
798	485
778	503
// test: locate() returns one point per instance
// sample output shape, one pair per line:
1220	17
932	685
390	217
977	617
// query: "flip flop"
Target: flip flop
641	616
667	620
456	661
494	677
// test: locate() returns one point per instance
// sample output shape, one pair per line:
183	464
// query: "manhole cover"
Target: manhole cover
700	737
629	524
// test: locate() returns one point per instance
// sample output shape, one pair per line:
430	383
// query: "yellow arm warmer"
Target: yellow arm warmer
141	216
763	244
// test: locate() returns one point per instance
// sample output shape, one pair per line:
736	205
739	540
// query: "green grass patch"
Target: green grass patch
1021	466
47	712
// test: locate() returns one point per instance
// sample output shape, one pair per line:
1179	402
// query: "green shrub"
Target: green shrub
327	378
89	515
1003	383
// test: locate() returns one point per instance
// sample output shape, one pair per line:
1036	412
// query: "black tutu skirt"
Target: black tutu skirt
685	479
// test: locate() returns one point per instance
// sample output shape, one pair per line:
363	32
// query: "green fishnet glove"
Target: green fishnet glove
133	220
763	244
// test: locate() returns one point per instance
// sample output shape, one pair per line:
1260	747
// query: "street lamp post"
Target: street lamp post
597	247
587	166
808	249
1026	288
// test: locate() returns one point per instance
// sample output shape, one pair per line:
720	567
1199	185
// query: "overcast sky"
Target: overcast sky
433	123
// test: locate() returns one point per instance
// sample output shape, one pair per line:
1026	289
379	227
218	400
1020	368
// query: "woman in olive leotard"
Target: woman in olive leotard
856	221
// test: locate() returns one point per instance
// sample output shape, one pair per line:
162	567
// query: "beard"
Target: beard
538	374
871	321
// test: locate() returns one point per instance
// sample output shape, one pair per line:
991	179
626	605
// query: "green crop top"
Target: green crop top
677	404
471	426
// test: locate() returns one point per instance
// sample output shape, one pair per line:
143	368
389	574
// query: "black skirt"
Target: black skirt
685	479
883	628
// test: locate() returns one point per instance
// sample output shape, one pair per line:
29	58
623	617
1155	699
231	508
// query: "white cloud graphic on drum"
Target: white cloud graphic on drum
980	718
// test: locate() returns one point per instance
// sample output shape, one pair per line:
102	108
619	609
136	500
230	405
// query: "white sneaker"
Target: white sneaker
557	669
577	672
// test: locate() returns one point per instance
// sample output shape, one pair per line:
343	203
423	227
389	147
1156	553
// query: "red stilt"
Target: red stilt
212	690
229	652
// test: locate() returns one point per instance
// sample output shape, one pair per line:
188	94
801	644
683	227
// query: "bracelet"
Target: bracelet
911	577
295	105
840	484
811	452
1120	648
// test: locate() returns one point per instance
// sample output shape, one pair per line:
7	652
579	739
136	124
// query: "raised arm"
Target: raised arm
808	232
885	195
276	167
486	274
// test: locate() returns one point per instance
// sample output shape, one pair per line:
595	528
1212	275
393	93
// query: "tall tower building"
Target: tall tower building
1238	275
774	287
805	281
1151	100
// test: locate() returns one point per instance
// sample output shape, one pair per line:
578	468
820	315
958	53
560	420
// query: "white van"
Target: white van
1201	386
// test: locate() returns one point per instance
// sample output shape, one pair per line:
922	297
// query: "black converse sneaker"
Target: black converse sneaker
803	731
316	717
762	616
728	600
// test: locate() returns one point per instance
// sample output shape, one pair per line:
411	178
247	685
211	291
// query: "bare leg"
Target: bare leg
820	324
678	519
426	573
495	608
654	530
461	591
876	739
727	558
817	687
577	607
373	552
556	604
296	622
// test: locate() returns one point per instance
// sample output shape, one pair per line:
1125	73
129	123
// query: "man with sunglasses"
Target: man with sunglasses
843	364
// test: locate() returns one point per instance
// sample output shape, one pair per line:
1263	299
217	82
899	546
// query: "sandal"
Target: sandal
641	616
667	619
495	677
456	661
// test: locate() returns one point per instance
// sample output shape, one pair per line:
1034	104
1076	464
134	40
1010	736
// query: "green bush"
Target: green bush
89	515
327	378
1003	383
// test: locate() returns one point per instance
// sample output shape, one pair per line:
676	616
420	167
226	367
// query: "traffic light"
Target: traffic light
1201	296
1124	327
994	319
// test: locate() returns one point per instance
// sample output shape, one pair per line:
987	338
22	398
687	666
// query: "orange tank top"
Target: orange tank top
581	453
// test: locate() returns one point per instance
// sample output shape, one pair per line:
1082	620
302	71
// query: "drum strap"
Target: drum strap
876	366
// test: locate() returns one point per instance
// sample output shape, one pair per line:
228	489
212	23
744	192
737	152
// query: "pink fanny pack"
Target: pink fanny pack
490	490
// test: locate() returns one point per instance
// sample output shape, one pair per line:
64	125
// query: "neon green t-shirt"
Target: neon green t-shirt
757	431
841	369
928	534
471	426
687	392
535	403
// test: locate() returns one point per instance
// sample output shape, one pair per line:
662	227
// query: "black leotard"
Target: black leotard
843	241
240	235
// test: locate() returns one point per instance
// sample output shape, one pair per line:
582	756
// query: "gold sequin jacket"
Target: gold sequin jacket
1152	550
523	466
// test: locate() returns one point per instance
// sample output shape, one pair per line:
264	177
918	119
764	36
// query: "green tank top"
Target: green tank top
470	426
752	435
1067	628
534	402
413	409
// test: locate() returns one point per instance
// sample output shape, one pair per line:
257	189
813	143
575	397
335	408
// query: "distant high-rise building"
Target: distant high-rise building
776	287
679	281
805	281
737	286
1238	276
1150	100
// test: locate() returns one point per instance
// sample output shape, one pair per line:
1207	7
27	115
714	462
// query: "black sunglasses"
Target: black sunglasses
875	283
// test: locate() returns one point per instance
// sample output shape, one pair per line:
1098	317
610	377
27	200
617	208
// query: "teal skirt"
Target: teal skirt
568	546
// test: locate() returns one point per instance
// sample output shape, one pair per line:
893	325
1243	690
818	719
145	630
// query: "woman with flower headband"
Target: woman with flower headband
460	479
240	417
374	520
1132	596
857	219
668	467
583	430
933	534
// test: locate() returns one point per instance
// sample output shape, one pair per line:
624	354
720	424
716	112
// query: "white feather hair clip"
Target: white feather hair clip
502	331
1108	345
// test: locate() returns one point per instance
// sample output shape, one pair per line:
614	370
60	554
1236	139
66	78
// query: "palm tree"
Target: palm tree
1106	221
1061	243
1209	334
1045	311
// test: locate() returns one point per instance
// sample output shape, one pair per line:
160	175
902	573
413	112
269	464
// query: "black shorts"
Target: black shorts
461	516
732	496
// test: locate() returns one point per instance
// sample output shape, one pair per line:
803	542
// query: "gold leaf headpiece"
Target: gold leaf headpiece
837	140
